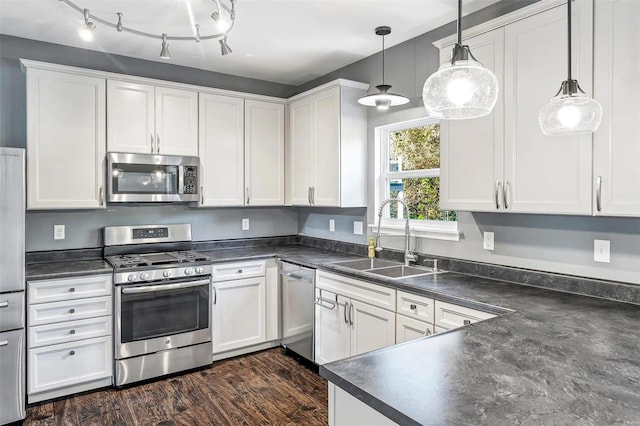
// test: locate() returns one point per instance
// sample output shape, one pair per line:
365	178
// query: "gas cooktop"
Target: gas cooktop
155	259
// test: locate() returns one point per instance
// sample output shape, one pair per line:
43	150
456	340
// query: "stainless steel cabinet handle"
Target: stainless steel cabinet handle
101	196
346	307
215	296
4	304
158	143
505	194
313	195
152	143
72	332
4	343
351	314
498	195
309	195
466	322
599	193
413	307
320	301
247	196
202	195
72	311
72	353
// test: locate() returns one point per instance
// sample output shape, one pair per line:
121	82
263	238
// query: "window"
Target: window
408	168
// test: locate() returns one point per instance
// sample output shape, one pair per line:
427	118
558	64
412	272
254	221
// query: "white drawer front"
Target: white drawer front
69	288
415	306
410	329
47	313
70	331
236	271
52	367
450	316
373	294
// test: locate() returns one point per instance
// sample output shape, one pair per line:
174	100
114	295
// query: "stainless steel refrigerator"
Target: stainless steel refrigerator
12	285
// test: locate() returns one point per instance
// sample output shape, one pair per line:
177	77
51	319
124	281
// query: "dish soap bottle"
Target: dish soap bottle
372	248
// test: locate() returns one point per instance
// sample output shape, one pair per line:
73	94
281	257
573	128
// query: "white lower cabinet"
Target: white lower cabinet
449	316
346	326
69	336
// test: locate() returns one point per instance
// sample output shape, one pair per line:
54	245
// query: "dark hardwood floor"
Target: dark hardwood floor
266	388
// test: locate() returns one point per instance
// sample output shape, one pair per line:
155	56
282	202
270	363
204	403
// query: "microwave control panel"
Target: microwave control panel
190	180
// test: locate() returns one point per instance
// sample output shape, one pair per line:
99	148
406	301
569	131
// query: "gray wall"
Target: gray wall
83	228
562	244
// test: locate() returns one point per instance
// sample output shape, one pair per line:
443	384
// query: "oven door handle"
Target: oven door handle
163	287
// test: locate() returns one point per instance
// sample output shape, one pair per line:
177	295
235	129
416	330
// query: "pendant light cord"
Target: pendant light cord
460	22
569	40
383	59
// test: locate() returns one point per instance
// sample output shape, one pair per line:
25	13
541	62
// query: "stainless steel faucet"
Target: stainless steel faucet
408	256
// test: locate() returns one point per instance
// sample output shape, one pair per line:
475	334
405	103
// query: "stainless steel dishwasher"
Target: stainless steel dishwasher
297	308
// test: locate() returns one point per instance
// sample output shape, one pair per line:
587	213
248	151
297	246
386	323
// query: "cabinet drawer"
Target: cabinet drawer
410	329
236	271
70	331
415	306
57	366
11	311
451	316
47	313
373	294
69	288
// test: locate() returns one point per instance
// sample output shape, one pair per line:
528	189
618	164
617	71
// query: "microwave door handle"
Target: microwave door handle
180	180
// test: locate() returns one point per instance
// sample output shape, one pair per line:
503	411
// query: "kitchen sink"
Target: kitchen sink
365	264
401	271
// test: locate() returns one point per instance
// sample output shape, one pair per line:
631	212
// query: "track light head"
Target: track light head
164	53
86	32
224	47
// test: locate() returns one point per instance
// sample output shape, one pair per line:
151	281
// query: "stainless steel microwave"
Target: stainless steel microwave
150	178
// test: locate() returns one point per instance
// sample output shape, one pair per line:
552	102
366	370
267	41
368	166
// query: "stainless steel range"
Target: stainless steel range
162	301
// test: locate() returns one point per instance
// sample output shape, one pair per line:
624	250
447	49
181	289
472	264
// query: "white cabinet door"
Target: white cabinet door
471	151
326	107
264	153
302	160
617	87
332	331
130	117
545	174
221	150
372	327
238	314
176	121
66	130
410	329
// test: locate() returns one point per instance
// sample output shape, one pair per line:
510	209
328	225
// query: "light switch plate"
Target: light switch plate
601	251
357	227
245	224
487	241
332	225
58	232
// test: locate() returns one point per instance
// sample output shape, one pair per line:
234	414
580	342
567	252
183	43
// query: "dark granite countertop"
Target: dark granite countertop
549	358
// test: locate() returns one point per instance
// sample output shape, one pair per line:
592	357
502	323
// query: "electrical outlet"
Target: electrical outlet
487	241
245	224
332	225
58	232
601	251
357	227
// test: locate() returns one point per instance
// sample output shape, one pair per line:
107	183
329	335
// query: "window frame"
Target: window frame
434	229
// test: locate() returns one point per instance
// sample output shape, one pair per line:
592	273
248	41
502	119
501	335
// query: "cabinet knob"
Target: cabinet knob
72	353
72	289
72	332
467	322
239	271
72	311
413	307
428	332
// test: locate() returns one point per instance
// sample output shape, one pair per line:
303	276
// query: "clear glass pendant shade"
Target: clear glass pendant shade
570	114
463	90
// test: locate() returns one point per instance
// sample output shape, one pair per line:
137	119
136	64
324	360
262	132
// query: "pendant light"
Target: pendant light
383	99
571	111
462	88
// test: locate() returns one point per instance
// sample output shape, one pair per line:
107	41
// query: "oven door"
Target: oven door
160	316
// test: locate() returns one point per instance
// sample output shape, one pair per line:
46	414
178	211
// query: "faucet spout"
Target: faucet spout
408	256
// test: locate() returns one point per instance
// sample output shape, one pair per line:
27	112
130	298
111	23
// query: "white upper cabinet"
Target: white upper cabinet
264	153
221	150
65	140
617	87
150	119
327	146
503	162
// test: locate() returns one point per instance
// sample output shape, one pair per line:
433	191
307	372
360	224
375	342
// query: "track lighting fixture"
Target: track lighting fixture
224	17
383	99
86	32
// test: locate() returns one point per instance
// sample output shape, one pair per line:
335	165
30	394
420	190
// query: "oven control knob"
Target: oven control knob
199	270
188	271
131	277
144	276
166	274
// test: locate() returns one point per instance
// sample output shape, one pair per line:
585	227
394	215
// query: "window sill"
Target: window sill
429	232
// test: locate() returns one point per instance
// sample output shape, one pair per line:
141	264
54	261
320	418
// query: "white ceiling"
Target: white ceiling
285	41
